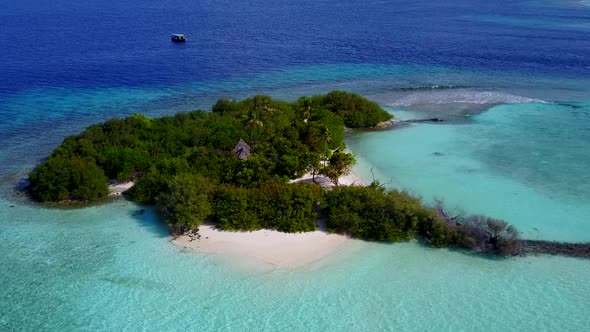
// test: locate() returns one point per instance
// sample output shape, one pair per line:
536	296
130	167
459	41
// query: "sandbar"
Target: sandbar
282	250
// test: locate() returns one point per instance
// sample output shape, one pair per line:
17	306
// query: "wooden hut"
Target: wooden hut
242	150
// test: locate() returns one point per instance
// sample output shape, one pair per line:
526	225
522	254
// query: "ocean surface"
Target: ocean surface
511	79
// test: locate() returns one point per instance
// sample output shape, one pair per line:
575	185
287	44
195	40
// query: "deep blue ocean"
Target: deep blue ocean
511	79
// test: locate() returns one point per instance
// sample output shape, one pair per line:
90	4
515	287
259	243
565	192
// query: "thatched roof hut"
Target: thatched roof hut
242	150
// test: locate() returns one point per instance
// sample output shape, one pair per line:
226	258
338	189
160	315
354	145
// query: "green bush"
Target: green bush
284	207
232	210
436	232
122	163
357	111
372	213
340	164
186	202
62	179
148	187
288	207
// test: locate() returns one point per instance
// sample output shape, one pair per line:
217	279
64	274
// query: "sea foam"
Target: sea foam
436	96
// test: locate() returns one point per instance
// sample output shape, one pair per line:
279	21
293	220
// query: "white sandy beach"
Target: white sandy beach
282	250
119	188
352	179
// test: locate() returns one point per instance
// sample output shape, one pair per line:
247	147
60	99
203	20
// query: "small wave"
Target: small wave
462	97
434	87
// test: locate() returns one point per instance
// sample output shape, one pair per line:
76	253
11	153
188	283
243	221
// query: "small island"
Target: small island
236	168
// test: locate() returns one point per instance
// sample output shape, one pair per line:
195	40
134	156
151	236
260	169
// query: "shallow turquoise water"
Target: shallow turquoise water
107	268
524	163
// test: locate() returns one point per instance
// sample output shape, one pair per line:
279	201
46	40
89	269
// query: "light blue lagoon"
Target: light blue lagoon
511	79
108	268
525	163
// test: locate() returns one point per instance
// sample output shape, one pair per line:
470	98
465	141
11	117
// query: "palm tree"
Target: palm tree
306	108
267	110
251	120
261	109
327	138
262	105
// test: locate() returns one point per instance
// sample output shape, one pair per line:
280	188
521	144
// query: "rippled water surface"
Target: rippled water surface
510	78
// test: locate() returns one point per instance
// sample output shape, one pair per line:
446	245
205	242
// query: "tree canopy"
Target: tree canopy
185	163
287	140
357	111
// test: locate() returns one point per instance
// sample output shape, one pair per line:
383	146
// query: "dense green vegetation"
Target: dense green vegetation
185	203
356	112
373	213
376	214
189	200
287	140
284	207
68	178
186	165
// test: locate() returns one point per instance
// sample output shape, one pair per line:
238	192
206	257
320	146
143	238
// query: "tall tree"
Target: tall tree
252	121
327	138
305	108
340	164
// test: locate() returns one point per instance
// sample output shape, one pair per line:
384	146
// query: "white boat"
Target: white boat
178	38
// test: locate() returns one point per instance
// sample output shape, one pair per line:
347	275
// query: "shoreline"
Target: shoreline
350	179
267	247
116	189
271	247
